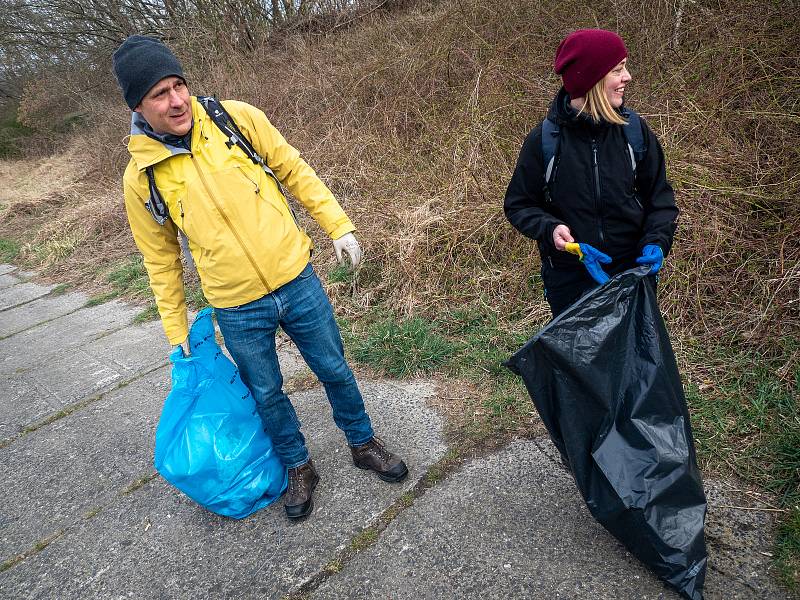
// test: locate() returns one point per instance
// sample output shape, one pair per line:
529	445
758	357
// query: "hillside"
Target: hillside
414	116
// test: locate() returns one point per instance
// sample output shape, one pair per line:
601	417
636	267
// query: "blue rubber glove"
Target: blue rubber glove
651	255
591	258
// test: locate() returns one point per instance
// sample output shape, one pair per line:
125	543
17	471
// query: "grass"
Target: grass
148	314
333	567
12	135
56	248
129	278
747	421
138	483
9	249
364	539
787	550
101	299
340	274
467	345
37	547
464	342
195	299
750	420
403	348
423	148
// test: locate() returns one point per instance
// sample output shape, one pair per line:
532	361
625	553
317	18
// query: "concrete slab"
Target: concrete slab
55	474
7	269
15	295
63	334
46	308
14	276
8	279
511	525
740	543
156	543
47	386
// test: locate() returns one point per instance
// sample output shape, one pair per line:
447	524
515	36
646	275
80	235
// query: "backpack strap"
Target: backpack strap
637	146
228	126
222	119
155	205
550	138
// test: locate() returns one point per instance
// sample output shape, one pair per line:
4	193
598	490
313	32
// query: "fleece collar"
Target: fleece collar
148	147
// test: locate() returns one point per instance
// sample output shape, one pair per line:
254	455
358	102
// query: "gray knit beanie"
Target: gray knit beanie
140	63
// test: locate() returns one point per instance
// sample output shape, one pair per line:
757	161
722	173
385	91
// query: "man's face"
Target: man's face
167	107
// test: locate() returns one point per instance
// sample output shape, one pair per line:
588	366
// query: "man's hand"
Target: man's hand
652	254
349	244
184	345
562	236
591	258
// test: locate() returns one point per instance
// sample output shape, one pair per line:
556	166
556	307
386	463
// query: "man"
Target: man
252	258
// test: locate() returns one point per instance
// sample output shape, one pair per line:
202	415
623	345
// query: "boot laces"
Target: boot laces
294	480
380	449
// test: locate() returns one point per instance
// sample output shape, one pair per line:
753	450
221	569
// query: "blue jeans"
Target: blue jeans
302	309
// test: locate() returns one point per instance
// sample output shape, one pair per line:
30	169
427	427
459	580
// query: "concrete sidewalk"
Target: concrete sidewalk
83	514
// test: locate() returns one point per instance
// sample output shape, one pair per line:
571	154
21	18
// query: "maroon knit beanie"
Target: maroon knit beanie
585	57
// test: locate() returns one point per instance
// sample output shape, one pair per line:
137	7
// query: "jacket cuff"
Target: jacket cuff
549	237
347	227
177	330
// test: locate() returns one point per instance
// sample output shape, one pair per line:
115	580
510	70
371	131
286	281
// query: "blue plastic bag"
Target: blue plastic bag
210	442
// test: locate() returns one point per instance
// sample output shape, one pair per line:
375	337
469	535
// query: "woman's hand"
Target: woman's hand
562	236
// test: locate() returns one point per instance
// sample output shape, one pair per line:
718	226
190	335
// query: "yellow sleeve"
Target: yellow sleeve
162	259
294	173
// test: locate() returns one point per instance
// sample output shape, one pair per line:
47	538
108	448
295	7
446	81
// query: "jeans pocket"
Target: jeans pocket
306	273
228	309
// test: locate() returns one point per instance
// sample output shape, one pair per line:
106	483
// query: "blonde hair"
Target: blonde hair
597	106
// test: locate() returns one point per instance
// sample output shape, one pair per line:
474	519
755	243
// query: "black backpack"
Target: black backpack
637	146
156	205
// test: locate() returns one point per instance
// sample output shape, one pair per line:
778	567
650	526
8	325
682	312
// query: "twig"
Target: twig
678	19
361	16
780	510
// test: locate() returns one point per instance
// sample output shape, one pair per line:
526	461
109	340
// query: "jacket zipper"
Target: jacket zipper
230	226
597	199
280	189
258	189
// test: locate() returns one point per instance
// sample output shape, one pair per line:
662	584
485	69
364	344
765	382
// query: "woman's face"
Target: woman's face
615	83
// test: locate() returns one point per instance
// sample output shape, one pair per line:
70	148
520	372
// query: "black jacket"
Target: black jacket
625	216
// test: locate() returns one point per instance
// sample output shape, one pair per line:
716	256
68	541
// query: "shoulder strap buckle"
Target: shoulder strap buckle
228	126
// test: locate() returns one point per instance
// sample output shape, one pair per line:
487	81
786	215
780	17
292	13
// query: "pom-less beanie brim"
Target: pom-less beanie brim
141	62
585	56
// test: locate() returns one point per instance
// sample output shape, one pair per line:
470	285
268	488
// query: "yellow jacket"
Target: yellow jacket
242	234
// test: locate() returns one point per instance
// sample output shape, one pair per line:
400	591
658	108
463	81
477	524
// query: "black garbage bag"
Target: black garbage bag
604	380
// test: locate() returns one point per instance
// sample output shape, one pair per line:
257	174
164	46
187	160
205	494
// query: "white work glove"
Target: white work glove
185	345
348	243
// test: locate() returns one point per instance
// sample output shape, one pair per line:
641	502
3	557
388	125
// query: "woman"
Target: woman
601	205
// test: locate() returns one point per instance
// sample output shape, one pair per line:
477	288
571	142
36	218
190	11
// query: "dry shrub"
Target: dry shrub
415	121
415	117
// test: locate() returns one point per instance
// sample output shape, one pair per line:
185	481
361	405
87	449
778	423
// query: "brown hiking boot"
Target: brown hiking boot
302	481
375	457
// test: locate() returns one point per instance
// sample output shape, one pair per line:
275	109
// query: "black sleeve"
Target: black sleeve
657	196
524	203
